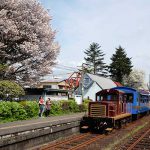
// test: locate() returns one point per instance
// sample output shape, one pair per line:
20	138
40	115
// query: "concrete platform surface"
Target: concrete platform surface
20	126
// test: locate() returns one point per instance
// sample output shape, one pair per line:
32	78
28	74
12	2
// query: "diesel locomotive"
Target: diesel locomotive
115	107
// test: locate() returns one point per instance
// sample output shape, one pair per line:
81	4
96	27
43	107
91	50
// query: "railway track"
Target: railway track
140	141
100	141
74	143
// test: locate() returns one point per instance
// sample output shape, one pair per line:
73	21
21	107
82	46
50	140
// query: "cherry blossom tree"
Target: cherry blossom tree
27	45
135	79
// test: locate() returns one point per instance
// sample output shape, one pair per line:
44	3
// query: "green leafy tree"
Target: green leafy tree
121	65
3	69
95	60
10	89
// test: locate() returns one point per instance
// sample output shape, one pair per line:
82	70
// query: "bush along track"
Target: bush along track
12	111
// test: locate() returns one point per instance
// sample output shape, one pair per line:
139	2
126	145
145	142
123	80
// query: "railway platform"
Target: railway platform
28	133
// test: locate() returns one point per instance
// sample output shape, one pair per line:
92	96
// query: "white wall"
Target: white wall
92	91
55	97
54	86
78	99
36	97
30	97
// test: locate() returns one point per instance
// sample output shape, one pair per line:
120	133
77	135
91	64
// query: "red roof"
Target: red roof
118	83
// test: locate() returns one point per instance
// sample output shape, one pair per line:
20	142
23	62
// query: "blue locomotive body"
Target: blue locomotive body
144	101
137	101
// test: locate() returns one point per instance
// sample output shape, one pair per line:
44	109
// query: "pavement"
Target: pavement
20	126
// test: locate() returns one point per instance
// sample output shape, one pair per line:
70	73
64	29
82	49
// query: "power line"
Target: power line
64	67
67	66
61	74
60	65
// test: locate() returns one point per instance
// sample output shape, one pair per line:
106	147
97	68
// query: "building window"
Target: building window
86	82
60	87
47	86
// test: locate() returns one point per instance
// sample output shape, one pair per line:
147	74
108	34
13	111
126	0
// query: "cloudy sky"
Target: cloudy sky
108	22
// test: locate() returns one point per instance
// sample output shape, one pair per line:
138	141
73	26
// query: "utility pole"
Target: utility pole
82	79
149	83
82	76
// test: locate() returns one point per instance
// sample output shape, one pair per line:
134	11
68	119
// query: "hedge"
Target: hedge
11	111
31	108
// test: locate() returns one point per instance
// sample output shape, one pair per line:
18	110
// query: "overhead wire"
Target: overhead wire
60	66
67	66
61	74
64	68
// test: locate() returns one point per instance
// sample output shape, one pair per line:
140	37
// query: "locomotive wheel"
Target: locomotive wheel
138	116
129	120
84	126
118	124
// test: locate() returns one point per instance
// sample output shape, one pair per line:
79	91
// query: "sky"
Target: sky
109	23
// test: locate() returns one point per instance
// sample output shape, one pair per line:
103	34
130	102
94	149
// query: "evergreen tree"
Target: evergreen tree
121	65
94	60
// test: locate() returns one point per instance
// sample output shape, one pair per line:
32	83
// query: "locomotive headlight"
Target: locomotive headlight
105	123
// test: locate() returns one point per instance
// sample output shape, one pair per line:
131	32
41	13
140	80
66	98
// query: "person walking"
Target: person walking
47	107
41	106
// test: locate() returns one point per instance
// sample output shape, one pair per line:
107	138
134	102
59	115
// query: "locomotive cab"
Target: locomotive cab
109	103
108	111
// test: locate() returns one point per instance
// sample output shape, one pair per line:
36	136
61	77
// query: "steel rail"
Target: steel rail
65	142
87	142
138	140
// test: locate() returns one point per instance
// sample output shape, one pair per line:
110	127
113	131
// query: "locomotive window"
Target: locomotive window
129	98
103	97
110	97
114	97
144	98
98	98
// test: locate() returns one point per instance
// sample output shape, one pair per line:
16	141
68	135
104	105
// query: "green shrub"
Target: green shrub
56	108
5	110
73	106
82	107
31	107
12	110
18	112
64	106
86	103
87	100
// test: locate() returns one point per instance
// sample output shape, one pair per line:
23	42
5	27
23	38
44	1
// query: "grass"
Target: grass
128	135
7	120
14	119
